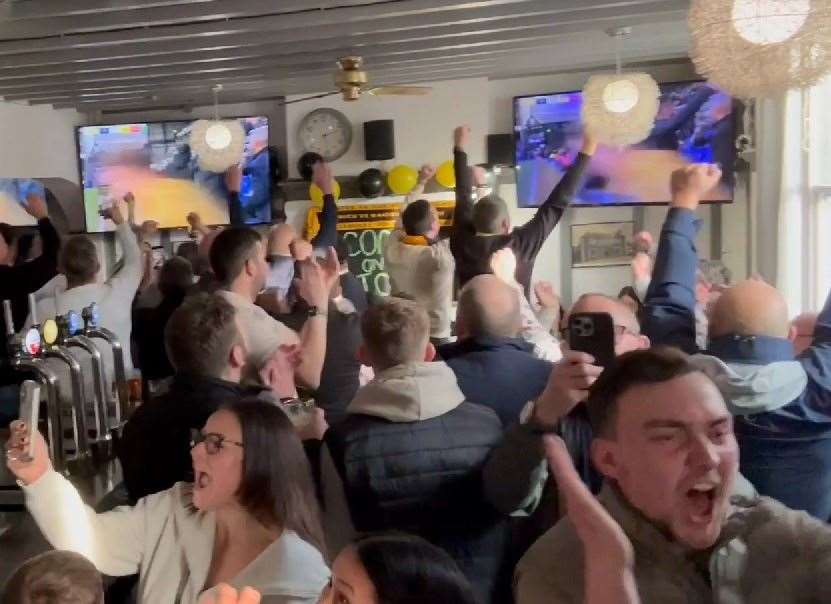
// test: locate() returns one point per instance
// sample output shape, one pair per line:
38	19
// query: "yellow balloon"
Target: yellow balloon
402	179
446	175
316	195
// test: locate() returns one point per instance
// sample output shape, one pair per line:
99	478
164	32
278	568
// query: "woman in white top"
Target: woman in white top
250	518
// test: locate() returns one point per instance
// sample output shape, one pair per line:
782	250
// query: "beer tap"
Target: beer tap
23	351
70	327
92	329
51	350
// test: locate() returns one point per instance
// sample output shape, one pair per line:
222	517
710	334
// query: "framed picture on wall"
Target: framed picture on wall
601	244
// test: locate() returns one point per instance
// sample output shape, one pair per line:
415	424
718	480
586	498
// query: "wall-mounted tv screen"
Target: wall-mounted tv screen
695	123
154	161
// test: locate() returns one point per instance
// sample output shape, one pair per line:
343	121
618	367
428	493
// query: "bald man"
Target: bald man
493	365
781	404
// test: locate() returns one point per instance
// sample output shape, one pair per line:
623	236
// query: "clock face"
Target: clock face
327	132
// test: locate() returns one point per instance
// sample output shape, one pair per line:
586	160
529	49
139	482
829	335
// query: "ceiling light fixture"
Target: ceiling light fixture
620	109
217	144
759	48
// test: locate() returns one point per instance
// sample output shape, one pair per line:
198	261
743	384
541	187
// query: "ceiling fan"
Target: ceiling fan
352	81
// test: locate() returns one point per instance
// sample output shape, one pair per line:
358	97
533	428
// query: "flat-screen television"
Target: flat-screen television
696	123
154	161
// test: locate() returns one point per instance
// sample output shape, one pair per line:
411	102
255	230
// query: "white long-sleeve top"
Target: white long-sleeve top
170	545
114	296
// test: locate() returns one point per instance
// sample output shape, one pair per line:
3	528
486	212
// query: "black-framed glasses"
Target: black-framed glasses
213	442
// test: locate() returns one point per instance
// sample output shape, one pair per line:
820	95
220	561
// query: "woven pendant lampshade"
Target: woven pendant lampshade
757	48
217	144
620	109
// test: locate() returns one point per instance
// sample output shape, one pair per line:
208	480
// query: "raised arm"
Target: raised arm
530	237
113	542
233	182
515	472
36	273
669	314
317	278
129	275
424	175
463	214
817	363
328	234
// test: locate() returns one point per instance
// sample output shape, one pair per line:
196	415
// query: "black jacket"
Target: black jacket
148	335
424	477
473	252
500	373
17	282
154	450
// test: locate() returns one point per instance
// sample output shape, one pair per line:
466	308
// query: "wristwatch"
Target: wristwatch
314	311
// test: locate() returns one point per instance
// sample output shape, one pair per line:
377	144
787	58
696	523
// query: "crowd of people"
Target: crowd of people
299	443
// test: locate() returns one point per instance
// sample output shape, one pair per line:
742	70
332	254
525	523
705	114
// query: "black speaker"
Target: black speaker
379	139
501	149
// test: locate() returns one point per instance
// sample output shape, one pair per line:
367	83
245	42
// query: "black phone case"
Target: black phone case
594	334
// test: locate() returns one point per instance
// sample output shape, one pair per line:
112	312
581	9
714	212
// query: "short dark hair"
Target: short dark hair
395	331
417	217
56	577
489	213
176	277
652	366
79	260
230	251
199	335
189	250
277	486
405	569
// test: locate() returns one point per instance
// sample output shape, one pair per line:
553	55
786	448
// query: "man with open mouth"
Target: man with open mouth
664	442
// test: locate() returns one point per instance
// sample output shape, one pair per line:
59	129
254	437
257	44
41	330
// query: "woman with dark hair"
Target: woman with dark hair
249	518
396	569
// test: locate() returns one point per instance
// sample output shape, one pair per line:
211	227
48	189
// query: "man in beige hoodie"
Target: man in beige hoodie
410	452
420	265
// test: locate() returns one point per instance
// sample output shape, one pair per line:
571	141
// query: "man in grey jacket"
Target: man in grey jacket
664	442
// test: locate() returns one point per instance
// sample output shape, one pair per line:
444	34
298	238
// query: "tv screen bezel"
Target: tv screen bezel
737	108
169	121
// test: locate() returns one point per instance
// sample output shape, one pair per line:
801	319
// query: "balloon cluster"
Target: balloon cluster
400	180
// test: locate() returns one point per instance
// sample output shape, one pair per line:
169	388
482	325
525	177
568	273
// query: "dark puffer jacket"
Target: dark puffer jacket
409	457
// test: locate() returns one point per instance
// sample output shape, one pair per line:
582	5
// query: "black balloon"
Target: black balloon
306	164
371	182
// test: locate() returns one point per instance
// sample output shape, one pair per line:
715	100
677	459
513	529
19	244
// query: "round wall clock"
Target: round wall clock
326	131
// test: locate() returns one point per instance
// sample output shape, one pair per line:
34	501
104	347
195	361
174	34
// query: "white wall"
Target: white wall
38	142
423	125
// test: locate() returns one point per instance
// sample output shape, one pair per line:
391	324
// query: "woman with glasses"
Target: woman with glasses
250	517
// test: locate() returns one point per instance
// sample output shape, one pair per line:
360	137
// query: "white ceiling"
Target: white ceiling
122	54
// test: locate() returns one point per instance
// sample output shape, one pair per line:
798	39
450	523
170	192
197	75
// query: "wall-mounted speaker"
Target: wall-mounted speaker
379	140
501	149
